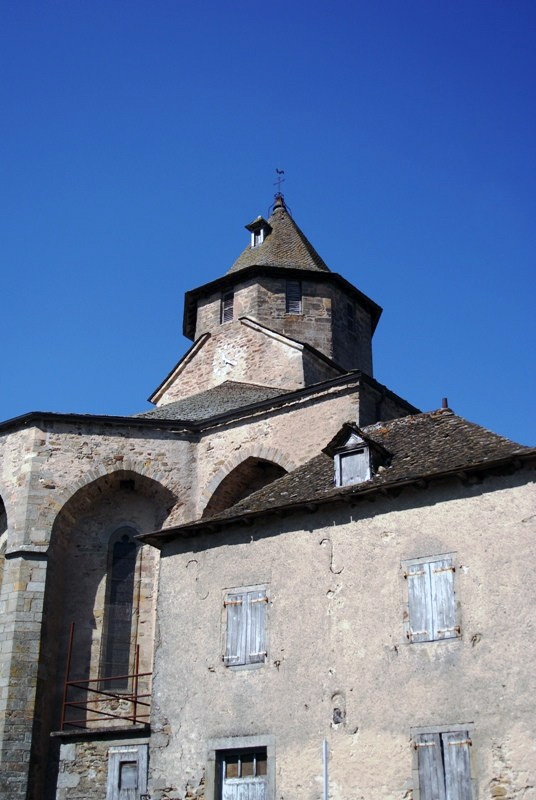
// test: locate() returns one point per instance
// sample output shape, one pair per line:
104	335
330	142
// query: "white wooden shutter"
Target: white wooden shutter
355	467
235	649
420	603
256	627
457	765
443	599
243	789
430	761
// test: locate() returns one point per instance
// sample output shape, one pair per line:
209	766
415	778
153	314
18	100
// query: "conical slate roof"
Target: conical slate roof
284	245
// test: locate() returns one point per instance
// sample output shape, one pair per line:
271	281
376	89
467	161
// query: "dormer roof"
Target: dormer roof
284	244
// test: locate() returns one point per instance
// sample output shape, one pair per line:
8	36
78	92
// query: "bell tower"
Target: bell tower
278	317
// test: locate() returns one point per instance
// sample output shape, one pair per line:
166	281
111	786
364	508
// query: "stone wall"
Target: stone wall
339	664
323	323
84	763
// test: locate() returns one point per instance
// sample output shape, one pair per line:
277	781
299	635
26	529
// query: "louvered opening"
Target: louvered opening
293	297
227	302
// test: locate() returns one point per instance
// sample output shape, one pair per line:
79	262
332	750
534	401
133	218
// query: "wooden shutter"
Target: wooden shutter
293	297
256	627
227	302
127	772
235	649
431	774
355	467
420	603
443	599
457	765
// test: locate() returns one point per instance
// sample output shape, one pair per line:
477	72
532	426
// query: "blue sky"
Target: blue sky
138	138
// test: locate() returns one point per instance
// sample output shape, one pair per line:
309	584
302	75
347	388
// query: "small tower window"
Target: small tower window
293	297
227	302
257	237
259	230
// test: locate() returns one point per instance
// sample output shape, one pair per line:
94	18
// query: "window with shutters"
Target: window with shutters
444	765
127	772
246	627
243	774
432	612
227	302
352	461
293	297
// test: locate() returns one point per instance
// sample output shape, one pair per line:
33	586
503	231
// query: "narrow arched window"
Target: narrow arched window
117	634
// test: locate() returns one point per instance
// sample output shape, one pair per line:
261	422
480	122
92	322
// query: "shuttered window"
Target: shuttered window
244	775
352	467
246	627
444	765
431	600
227	302
293	297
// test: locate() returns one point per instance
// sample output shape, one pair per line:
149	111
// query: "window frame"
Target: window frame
359	449
126	754
217	748
293	306
414	635
461	729
227	307
105	674
229	600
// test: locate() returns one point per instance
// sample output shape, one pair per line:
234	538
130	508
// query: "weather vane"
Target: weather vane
279	180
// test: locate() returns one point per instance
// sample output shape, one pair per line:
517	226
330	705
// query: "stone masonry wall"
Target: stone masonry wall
339	665
323	323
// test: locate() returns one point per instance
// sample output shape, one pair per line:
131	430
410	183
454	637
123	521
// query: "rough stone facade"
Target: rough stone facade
326	323
339	664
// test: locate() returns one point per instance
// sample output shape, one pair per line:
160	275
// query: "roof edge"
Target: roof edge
351	493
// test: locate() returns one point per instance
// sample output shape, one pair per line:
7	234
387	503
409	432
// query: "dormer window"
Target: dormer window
356	458
257	237
227	302
352	466
259	230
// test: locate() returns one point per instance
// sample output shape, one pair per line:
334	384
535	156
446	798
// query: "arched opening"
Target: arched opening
248	477
105	584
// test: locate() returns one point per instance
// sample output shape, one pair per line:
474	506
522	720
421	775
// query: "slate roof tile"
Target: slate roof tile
284	246
225	397
421	446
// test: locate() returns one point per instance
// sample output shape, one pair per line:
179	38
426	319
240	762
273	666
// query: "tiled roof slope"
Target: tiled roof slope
225	397
284	246
421	446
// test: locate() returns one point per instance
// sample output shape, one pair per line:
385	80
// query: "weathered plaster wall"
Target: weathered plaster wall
336	640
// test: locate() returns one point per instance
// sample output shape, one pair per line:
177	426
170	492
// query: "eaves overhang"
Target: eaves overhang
234	278
349	494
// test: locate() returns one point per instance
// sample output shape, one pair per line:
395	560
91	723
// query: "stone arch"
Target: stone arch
242	475
76	588
128	466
